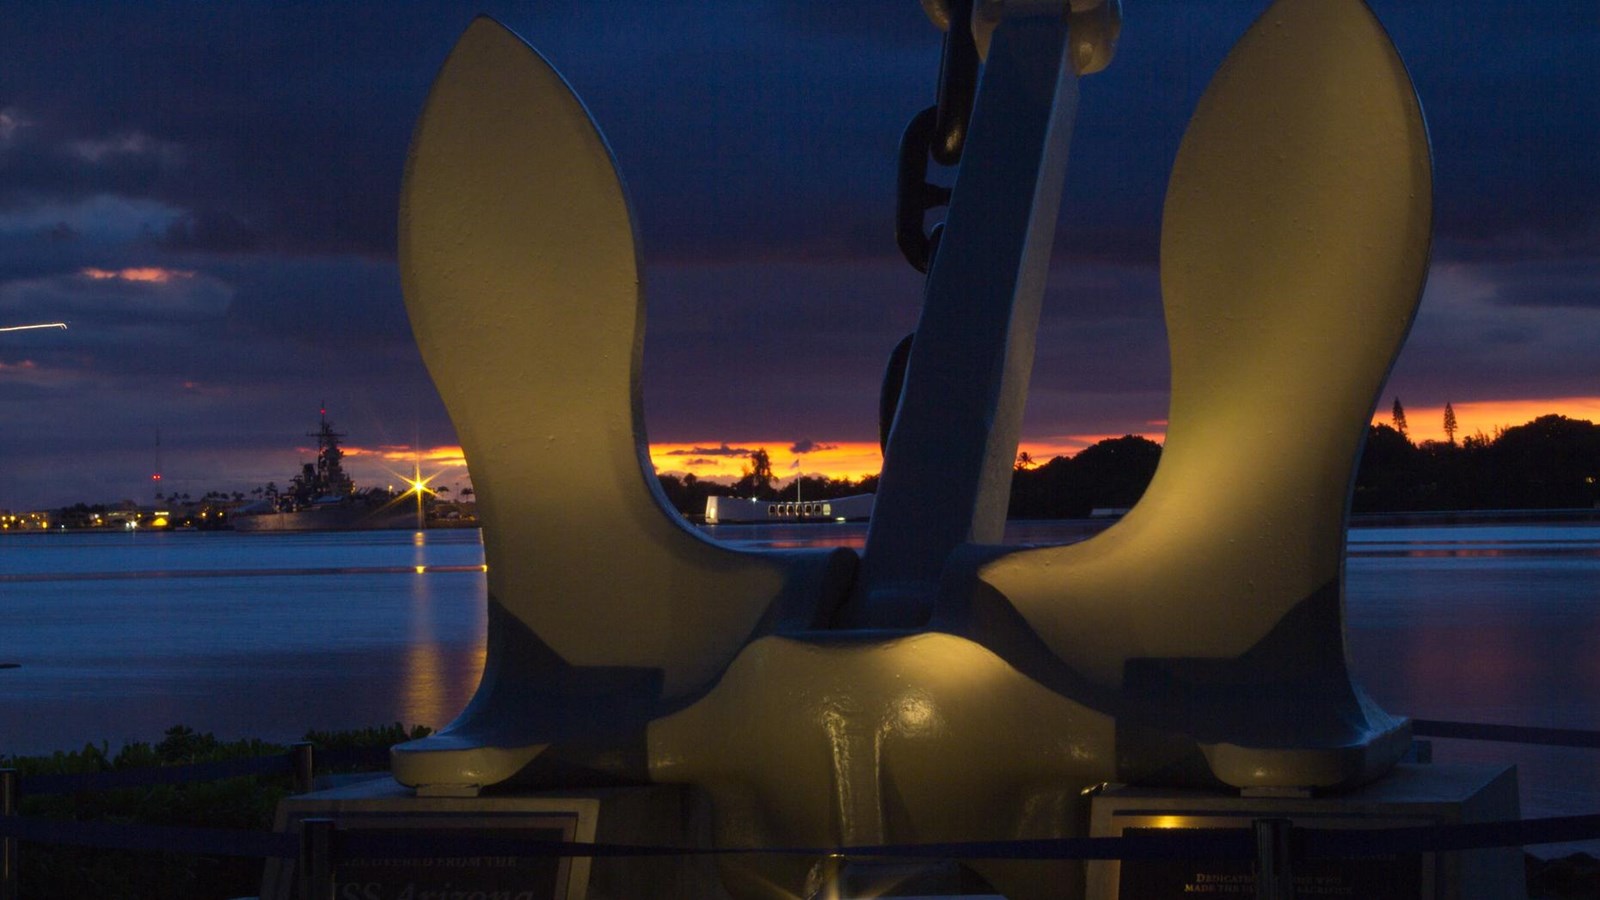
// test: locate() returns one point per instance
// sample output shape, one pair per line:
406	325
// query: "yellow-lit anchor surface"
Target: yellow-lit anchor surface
1198	641
518	264
1294	248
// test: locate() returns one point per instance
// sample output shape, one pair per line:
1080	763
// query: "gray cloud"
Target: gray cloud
261	148
1485	333
723	450
113	295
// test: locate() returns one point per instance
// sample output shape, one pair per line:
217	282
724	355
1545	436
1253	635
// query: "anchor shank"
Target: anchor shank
947	469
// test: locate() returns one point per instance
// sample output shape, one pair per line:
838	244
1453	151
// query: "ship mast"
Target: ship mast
156	477
330	479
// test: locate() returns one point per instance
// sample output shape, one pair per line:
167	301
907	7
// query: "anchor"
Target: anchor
938	686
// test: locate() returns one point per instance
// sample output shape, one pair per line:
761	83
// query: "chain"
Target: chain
916	196
938	133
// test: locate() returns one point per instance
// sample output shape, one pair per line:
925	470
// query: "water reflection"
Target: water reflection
811	536
240	635
1486	624
424	665
121	636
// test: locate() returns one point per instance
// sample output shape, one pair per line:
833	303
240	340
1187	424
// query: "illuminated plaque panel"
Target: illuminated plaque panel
1397	877
380	806
1411	796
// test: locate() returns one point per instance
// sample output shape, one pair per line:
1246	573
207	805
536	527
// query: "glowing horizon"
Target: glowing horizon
398	465
724	461
1474	417
443	455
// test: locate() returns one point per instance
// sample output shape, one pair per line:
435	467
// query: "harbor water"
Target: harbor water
117	636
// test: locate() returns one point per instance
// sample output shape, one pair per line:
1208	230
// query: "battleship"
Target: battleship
322	497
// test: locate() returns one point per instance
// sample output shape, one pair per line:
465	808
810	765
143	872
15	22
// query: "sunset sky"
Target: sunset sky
206	193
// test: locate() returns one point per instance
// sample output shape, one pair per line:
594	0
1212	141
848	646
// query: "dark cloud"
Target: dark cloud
1513	116
1569	284
331	302
769	127
809	446
260	147
1495	331
210	231
107	298
723	450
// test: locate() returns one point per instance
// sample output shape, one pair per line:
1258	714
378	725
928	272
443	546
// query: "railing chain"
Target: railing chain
8	845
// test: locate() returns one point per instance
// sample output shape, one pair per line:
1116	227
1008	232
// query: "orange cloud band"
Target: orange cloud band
147	273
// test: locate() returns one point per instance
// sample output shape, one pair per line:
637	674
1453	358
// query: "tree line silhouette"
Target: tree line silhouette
1552	462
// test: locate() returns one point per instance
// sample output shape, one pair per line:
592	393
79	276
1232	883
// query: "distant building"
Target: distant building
734	510
27	521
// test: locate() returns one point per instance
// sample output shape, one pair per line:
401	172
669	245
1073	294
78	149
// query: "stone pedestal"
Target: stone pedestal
1410	795
655	815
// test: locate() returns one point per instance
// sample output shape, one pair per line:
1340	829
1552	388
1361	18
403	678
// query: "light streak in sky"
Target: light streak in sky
60	325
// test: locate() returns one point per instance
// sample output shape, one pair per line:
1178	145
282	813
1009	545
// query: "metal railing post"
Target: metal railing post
316	859
1274	866
304	754
8	846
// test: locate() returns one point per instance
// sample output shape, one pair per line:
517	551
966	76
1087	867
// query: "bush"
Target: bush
249	803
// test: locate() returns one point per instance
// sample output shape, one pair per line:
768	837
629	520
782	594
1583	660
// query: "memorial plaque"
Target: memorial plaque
1398	877
379	805
1411	795
446	877
481	867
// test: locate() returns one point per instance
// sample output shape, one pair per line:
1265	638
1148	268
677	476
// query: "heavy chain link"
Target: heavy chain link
938	133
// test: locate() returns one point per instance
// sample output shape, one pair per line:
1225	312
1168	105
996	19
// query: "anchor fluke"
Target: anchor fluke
518	262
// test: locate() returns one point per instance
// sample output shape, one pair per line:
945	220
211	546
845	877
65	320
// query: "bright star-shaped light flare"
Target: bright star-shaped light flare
417	486
415	483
